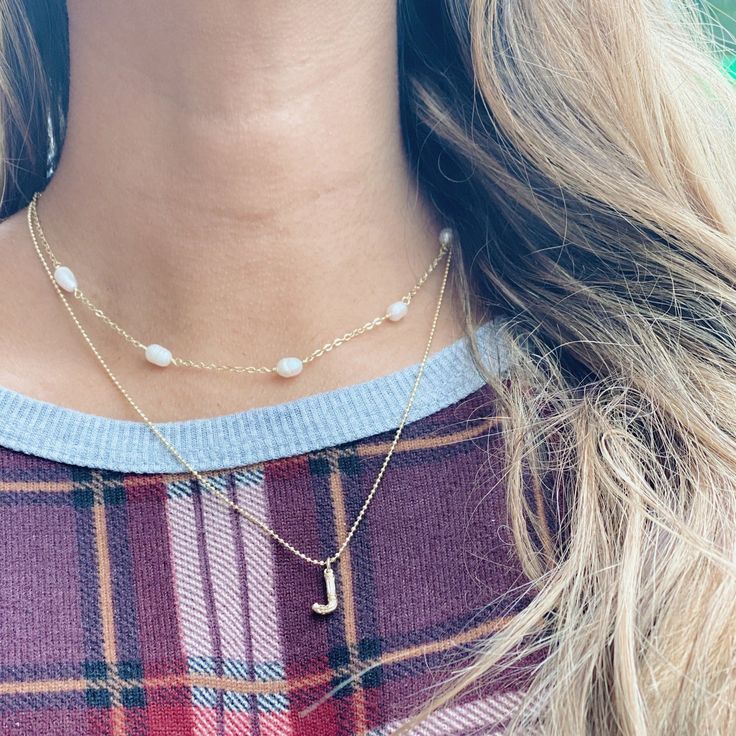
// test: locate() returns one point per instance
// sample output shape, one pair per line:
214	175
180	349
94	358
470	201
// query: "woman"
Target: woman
505	503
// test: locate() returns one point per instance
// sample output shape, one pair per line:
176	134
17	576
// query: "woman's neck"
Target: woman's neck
248	150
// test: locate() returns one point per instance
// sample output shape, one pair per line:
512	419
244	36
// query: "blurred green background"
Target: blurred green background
725	13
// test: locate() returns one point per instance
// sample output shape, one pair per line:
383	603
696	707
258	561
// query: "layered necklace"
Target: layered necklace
65	282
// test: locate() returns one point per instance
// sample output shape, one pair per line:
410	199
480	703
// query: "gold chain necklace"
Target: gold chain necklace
288	367
327	562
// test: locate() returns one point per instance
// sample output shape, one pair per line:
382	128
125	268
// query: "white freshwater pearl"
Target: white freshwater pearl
397	311
289	367
65	278
447	236
158	355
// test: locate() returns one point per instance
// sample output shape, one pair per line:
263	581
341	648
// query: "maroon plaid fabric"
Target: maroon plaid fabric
137	604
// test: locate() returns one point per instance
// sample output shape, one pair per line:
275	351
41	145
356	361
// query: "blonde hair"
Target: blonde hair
586	152
591	146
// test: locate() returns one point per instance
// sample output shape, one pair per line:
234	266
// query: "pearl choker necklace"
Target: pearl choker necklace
287	367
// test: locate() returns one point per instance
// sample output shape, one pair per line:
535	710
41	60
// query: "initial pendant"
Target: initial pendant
331	605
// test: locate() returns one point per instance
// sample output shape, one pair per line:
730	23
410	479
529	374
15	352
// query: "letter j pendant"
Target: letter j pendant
331	605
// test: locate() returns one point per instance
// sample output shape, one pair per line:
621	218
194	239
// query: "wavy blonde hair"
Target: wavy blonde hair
586	152
587	149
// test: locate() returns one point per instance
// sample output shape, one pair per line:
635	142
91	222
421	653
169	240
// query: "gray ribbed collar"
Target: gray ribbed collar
292	428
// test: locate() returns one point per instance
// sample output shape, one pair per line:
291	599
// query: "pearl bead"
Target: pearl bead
158	355
289	367
65	278
447	236
397	311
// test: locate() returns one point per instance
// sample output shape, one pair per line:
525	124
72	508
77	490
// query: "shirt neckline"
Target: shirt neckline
257	435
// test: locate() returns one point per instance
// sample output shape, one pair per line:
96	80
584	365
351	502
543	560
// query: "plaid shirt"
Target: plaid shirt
136	605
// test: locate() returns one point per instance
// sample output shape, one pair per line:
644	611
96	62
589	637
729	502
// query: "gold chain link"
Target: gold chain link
222	367
206	482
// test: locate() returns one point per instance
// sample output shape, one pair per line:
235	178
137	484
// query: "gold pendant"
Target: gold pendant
331	605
